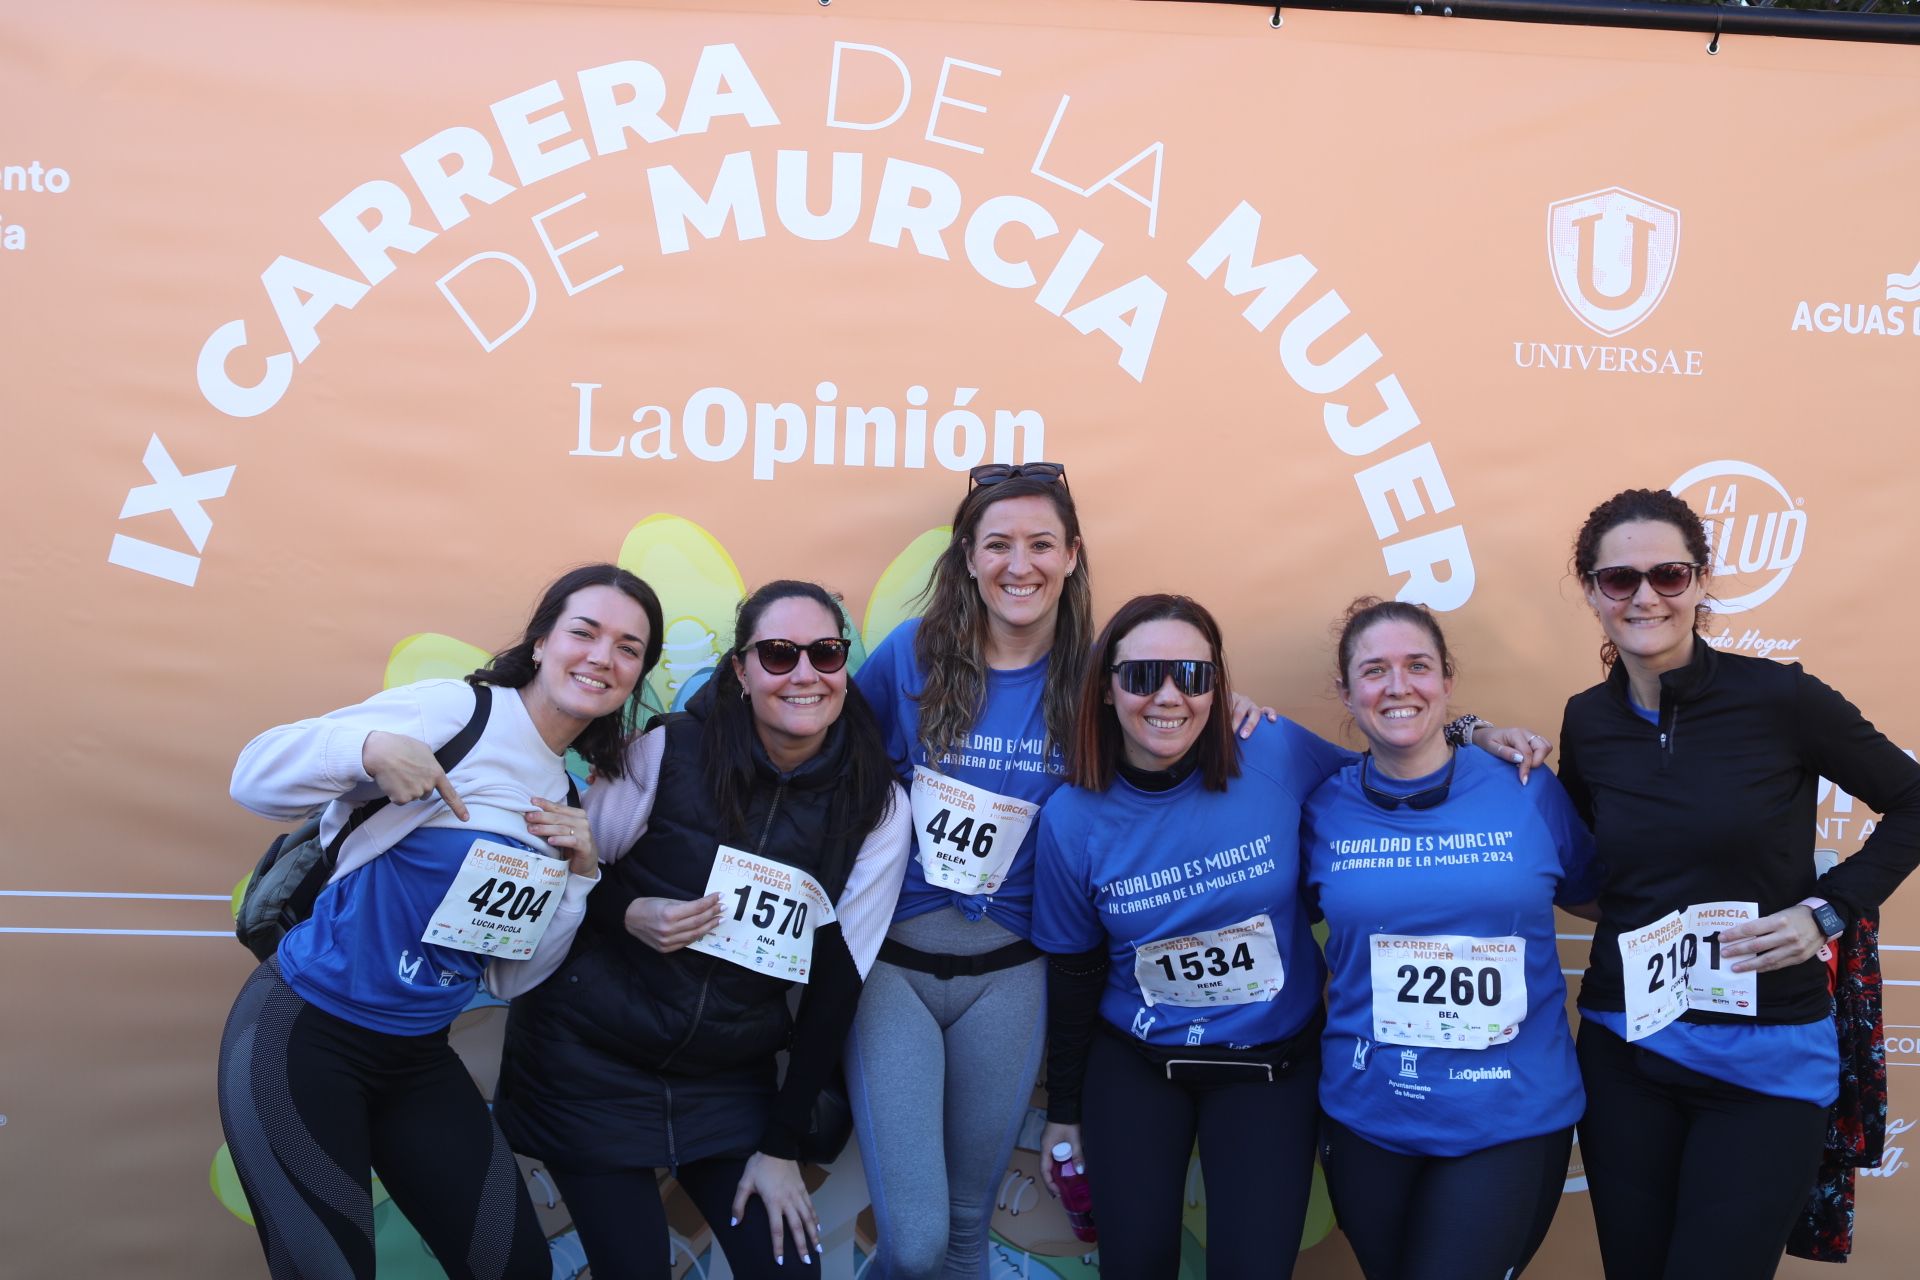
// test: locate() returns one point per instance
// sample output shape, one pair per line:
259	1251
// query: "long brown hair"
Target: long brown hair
1096	745
951	645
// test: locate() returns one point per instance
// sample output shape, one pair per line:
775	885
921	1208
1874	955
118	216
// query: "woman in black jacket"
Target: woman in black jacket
1707	1041
757	840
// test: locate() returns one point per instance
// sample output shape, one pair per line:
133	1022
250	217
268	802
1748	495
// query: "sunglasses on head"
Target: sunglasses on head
1425	798
1622	582
777	657
1144	676
995	472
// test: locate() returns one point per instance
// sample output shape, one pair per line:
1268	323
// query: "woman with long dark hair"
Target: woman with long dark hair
754	841
1707	1040
335	1057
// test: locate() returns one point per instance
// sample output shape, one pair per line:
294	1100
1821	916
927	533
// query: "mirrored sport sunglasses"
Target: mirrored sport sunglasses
777	657
1142	677
1621	582
995	472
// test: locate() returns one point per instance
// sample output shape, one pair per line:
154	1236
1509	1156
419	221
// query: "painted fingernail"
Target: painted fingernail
805	1258
779	1261
1517	757
733	1222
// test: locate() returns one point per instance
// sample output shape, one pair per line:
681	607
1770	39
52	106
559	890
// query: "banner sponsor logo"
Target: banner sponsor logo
1895	314
1612	254
1895	1160
1756	534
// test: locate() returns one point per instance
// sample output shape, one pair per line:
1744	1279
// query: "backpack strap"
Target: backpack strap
449	755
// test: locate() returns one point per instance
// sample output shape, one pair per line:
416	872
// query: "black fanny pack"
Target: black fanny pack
944	966
1206	1065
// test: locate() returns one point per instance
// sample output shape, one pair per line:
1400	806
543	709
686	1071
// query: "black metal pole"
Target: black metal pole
1806	24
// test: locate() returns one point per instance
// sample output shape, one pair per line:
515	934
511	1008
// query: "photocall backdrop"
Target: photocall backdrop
332	331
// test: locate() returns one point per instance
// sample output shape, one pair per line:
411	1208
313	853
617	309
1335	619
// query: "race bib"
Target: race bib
1460	992
500	904
1239	964
768	912
967	835
1674	964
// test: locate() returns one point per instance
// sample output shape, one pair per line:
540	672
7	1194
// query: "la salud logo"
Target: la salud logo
1613	254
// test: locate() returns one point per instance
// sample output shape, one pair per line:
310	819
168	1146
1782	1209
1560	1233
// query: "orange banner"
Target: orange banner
333	331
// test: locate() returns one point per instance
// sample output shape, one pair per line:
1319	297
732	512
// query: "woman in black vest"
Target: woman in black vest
757	840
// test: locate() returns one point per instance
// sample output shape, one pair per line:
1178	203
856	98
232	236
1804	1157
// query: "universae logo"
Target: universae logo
1613	253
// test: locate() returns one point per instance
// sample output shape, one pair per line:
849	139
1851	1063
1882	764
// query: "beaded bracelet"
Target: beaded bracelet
1459	732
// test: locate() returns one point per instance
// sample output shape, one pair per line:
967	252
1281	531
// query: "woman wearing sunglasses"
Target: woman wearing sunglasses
1706	1039
1447	1076
1185	987
755	841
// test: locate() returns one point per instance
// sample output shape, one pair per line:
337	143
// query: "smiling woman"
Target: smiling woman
335	1057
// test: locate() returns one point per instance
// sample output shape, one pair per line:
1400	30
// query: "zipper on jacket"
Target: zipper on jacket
706	983
673	1152
1667	735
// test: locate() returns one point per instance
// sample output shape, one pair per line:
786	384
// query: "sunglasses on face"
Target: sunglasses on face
1622	582
995	472
777	657
1426	798
1142	677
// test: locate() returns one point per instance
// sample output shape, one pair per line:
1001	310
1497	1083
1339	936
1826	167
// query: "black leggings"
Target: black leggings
1690	1176
309	1103
1256	1150
1474	1217
623	1223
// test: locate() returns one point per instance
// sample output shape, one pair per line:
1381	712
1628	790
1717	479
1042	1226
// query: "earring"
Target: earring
743	693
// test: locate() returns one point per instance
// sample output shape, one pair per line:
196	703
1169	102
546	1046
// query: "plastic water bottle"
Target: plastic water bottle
1075	1194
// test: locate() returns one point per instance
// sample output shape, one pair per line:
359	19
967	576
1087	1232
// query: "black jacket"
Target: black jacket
626	1058
1717	803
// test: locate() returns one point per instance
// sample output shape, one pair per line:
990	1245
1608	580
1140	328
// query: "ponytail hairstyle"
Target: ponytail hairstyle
1626	507
602	743
951	644
865	788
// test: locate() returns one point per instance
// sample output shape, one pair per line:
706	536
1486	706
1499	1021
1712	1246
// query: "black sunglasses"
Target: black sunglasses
777	657
1425	798
995	472
1144	676
1621	582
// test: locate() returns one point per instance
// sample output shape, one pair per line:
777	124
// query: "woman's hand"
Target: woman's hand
668	924
1778	941
1522	748
789	1208
565	827
404	769
1246	714
1049	1136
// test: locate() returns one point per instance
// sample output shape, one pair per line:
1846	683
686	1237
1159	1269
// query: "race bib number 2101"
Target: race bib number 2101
1674	964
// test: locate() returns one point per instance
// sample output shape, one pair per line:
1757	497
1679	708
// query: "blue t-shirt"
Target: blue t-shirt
1125	868
1799	1060
1488	862
1006	753
359	955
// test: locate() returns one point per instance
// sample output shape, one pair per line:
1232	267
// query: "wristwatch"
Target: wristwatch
1825	916
1459	731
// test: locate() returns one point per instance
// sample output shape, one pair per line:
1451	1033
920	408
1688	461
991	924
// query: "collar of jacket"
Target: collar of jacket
1680	685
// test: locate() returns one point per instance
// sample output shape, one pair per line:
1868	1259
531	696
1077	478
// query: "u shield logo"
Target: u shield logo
1612	254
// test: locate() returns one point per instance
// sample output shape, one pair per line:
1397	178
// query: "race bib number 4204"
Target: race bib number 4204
966	835
500	902
1239	964
768	912
1674	964
1460	992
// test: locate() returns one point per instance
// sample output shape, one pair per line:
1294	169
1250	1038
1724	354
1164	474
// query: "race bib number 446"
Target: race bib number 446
500	902
966	835
1674	964
1239	964
1460	992
768	912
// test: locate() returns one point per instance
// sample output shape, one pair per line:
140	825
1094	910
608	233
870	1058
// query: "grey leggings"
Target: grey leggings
940	1073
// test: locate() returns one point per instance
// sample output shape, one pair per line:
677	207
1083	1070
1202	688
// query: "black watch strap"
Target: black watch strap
1829	920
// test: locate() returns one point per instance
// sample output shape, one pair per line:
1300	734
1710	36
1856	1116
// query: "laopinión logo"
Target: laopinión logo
1895	314
1756	534
1612	255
